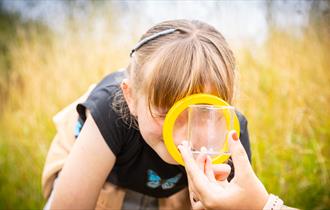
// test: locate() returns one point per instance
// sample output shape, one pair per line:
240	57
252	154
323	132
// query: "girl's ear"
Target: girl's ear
127	92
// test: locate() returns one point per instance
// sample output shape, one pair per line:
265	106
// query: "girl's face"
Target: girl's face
150	126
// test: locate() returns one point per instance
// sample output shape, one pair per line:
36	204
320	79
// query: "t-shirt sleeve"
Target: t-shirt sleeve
245	140
244	134
110	125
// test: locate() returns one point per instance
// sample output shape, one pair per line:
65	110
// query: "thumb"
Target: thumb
240	159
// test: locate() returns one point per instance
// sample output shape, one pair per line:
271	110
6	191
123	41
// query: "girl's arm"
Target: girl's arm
85	170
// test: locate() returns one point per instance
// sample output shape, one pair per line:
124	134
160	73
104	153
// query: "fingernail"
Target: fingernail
235	136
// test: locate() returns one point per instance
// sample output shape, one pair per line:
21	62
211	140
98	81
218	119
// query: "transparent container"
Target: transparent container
208	126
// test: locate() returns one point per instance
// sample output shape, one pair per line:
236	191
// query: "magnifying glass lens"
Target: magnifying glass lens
208	127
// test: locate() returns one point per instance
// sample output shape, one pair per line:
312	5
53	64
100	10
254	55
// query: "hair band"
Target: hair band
149	38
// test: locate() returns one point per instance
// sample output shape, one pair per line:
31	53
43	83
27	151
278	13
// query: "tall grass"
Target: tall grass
49	72
284	92
286	96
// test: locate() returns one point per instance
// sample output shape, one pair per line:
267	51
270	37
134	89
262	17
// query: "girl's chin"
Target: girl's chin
164	154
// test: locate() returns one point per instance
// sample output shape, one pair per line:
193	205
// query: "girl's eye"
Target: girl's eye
162	116
159	116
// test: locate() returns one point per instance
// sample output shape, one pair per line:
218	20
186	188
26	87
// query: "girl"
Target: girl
119	146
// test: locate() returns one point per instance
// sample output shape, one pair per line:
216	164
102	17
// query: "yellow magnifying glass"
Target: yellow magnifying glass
182	105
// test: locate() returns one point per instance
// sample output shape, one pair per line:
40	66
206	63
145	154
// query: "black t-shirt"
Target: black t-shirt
137	166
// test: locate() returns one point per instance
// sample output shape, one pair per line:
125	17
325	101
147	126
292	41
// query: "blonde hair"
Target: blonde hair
189	60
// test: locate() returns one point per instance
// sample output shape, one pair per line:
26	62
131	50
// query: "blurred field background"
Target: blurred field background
51	51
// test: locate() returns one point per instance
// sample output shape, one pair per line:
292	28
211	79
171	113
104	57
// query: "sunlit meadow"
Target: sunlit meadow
283	89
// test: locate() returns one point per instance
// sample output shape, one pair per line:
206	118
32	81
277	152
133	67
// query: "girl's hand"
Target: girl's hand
211	191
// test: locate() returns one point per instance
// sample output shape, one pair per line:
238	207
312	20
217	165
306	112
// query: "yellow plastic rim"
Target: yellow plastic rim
178	108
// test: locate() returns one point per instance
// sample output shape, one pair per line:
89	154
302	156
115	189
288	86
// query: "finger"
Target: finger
201	160
240	159
209	170
193	193
191	187
221	171
186	154
197	178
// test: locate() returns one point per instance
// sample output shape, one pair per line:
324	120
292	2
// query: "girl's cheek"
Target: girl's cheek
154	131
157	126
